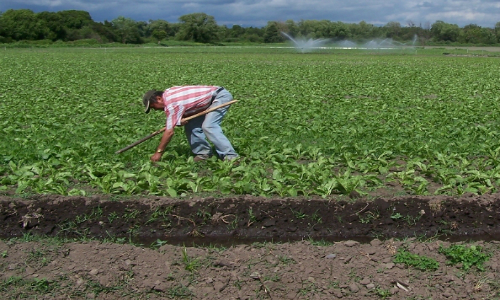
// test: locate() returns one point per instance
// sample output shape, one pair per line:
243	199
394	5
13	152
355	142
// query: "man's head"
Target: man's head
150	98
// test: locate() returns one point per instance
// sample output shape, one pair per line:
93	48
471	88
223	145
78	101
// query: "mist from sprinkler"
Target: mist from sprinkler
386	43
305	45
308	45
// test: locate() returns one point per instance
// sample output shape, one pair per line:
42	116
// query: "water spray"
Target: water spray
304	45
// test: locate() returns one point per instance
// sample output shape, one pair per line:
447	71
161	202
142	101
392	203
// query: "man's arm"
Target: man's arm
165	139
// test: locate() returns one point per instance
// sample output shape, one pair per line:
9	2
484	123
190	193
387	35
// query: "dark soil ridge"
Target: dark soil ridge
242	219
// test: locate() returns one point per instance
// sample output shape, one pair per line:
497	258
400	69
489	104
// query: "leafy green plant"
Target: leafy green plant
130	214
467	256
363	144
298	214
112	216
347	183
321	242
204	215
396	216
383	293
97	288
158	243
306	288
42	285
368	217
37	258
316	218
179	291
251	217
159	213
419	262
190	264
412	220
37	285
234	223
286	260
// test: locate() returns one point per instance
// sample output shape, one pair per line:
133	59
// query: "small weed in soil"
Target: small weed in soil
419	262
190	264
467	256
179	291
39	286
383	293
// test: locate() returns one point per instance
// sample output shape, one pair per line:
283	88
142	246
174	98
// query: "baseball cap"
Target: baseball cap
146	99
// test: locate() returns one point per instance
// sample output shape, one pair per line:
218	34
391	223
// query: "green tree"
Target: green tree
442	31
253	38
291	28
142	29
236	31
105	31
254	34
474	34
362	30
307	28
53	28
159	34
21	24
272	33
497	31
324	29
2	32
488	36
409	31
198	27
126	30
339	30
160	29
239	33
393	29
75	19
470	34
424	33
222	32
74	22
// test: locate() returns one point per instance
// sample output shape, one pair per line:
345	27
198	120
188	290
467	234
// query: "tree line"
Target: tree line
74	25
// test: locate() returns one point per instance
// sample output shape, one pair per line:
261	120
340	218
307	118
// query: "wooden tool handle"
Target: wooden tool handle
207	111
183	120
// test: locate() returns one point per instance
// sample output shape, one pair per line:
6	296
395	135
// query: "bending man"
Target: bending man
183	101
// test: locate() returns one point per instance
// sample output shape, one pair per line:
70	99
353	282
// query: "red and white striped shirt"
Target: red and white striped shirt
185	101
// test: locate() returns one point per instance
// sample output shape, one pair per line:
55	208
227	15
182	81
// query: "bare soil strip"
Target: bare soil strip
250	218
318	254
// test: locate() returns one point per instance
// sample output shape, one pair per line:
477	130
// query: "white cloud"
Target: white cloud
258	12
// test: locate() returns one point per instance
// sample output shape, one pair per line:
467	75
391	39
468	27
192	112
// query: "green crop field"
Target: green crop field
314	124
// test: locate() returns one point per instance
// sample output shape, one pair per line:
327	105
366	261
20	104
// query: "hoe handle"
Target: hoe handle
140	141
163	129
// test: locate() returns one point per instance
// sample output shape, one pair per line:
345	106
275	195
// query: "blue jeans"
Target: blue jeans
208	126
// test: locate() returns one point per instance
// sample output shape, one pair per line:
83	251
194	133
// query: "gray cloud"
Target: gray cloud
258	12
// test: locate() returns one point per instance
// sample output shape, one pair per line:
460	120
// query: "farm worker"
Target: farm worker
184	101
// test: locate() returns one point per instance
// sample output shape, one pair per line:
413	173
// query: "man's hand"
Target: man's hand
165	139
184	122
156	157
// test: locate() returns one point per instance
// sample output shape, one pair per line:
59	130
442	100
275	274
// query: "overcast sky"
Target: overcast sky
485	13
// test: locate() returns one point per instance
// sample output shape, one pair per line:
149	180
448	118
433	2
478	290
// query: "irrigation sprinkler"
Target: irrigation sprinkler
305	45
163	129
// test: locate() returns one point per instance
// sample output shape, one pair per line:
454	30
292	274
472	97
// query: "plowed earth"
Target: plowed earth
245	248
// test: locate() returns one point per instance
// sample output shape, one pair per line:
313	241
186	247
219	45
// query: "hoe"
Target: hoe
163	129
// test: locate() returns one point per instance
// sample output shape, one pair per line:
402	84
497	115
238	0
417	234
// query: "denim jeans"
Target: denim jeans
199	129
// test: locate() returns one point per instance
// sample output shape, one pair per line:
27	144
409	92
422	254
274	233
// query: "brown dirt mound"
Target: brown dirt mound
220	248
247	218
